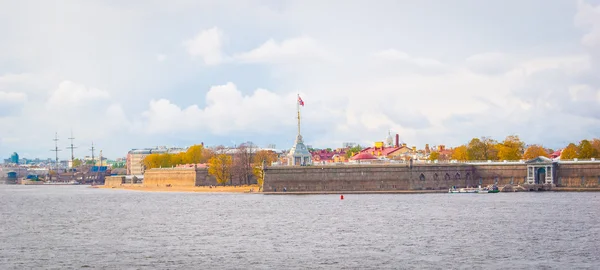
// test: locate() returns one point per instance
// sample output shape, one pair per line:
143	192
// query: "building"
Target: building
14	158
390	150
299	155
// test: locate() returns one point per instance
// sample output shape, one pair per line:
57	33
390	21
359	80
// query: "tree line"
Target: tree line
226	165
512	148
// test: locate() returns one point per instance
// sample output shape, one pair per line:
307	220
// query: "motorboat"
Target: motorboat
493	189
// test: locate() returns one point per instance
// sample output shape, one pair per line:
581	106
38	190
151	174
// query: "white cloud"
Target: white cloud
295	49
161	57
12	97
490	62
582	92
589	16
70	93
423	63
392	54
207	45
226	110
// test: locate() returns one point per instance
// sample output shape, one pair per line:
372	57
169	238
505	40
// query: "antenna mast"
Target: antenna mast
56	149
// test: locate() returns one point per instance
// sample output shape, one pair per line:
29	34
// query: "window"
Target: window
468	176
447	176
457	176
436	177
422	177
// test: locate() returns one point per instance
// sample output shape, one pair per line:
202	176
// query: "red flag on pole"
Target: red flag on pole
300	101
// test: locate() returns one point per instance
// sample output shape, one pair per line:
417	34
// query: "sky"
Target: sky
137	74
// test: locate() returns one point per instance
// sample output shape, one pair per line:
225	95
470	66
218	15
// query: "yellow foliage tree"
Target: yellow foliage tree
570	152
586	150
434	156
596	145
194	154
460	153
534	151
511	148
267	157
219	166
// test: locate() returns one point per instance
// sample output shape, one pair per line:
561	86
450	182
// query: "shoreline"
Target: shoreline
253	189
202	189
356	192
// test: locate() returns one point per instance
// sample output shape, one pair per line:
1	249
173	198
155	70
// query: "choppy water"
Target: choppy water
65	227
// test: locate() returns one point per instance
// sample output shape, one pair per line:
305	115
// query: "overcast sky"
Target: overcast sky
136	74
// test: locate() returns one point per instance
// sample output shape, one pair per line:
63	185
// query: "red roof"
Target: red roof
363	156
323	155
556	154
384	151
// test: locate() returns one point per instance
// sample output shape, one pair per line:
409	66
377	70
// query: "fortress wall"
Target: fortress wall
578	175
178	177
114	181
500	174
367	177
418	177
170	176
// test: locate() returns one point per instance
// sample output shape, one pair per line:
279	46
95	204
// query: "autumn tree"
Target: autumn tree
434	156
242	162
511	148
596	145
194	154
219	166
570	152
460	153
534	151
157	160
262	157
482	149
586	150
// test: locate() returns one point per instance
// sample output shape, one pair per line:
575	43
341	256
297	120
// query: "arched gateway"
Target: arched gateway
540	170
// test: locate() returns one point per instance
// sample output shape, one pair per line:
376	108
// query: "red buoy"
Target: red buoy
341	197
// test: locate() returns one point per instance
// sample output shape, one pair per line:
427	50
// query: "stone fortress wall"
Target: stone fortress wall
178	177
419	176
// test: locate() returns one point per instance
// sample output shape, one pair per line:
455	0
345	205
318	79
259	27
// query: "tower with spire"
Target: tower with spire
299	155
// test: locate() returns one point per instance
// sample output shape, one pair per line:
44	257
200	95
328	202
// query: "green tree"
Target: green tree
353	151
511	148
586	150
570	152
219	166
434	156
77	162
460	153
534	151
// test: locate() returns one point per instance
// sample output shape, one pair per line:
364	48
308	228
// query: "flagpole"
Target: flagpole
298	108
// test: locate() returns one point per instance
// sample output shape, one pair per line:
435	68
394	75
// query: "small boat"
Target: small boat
479	189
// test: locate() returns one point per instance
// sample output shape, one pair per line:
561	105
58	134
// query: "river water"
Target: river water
73	227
